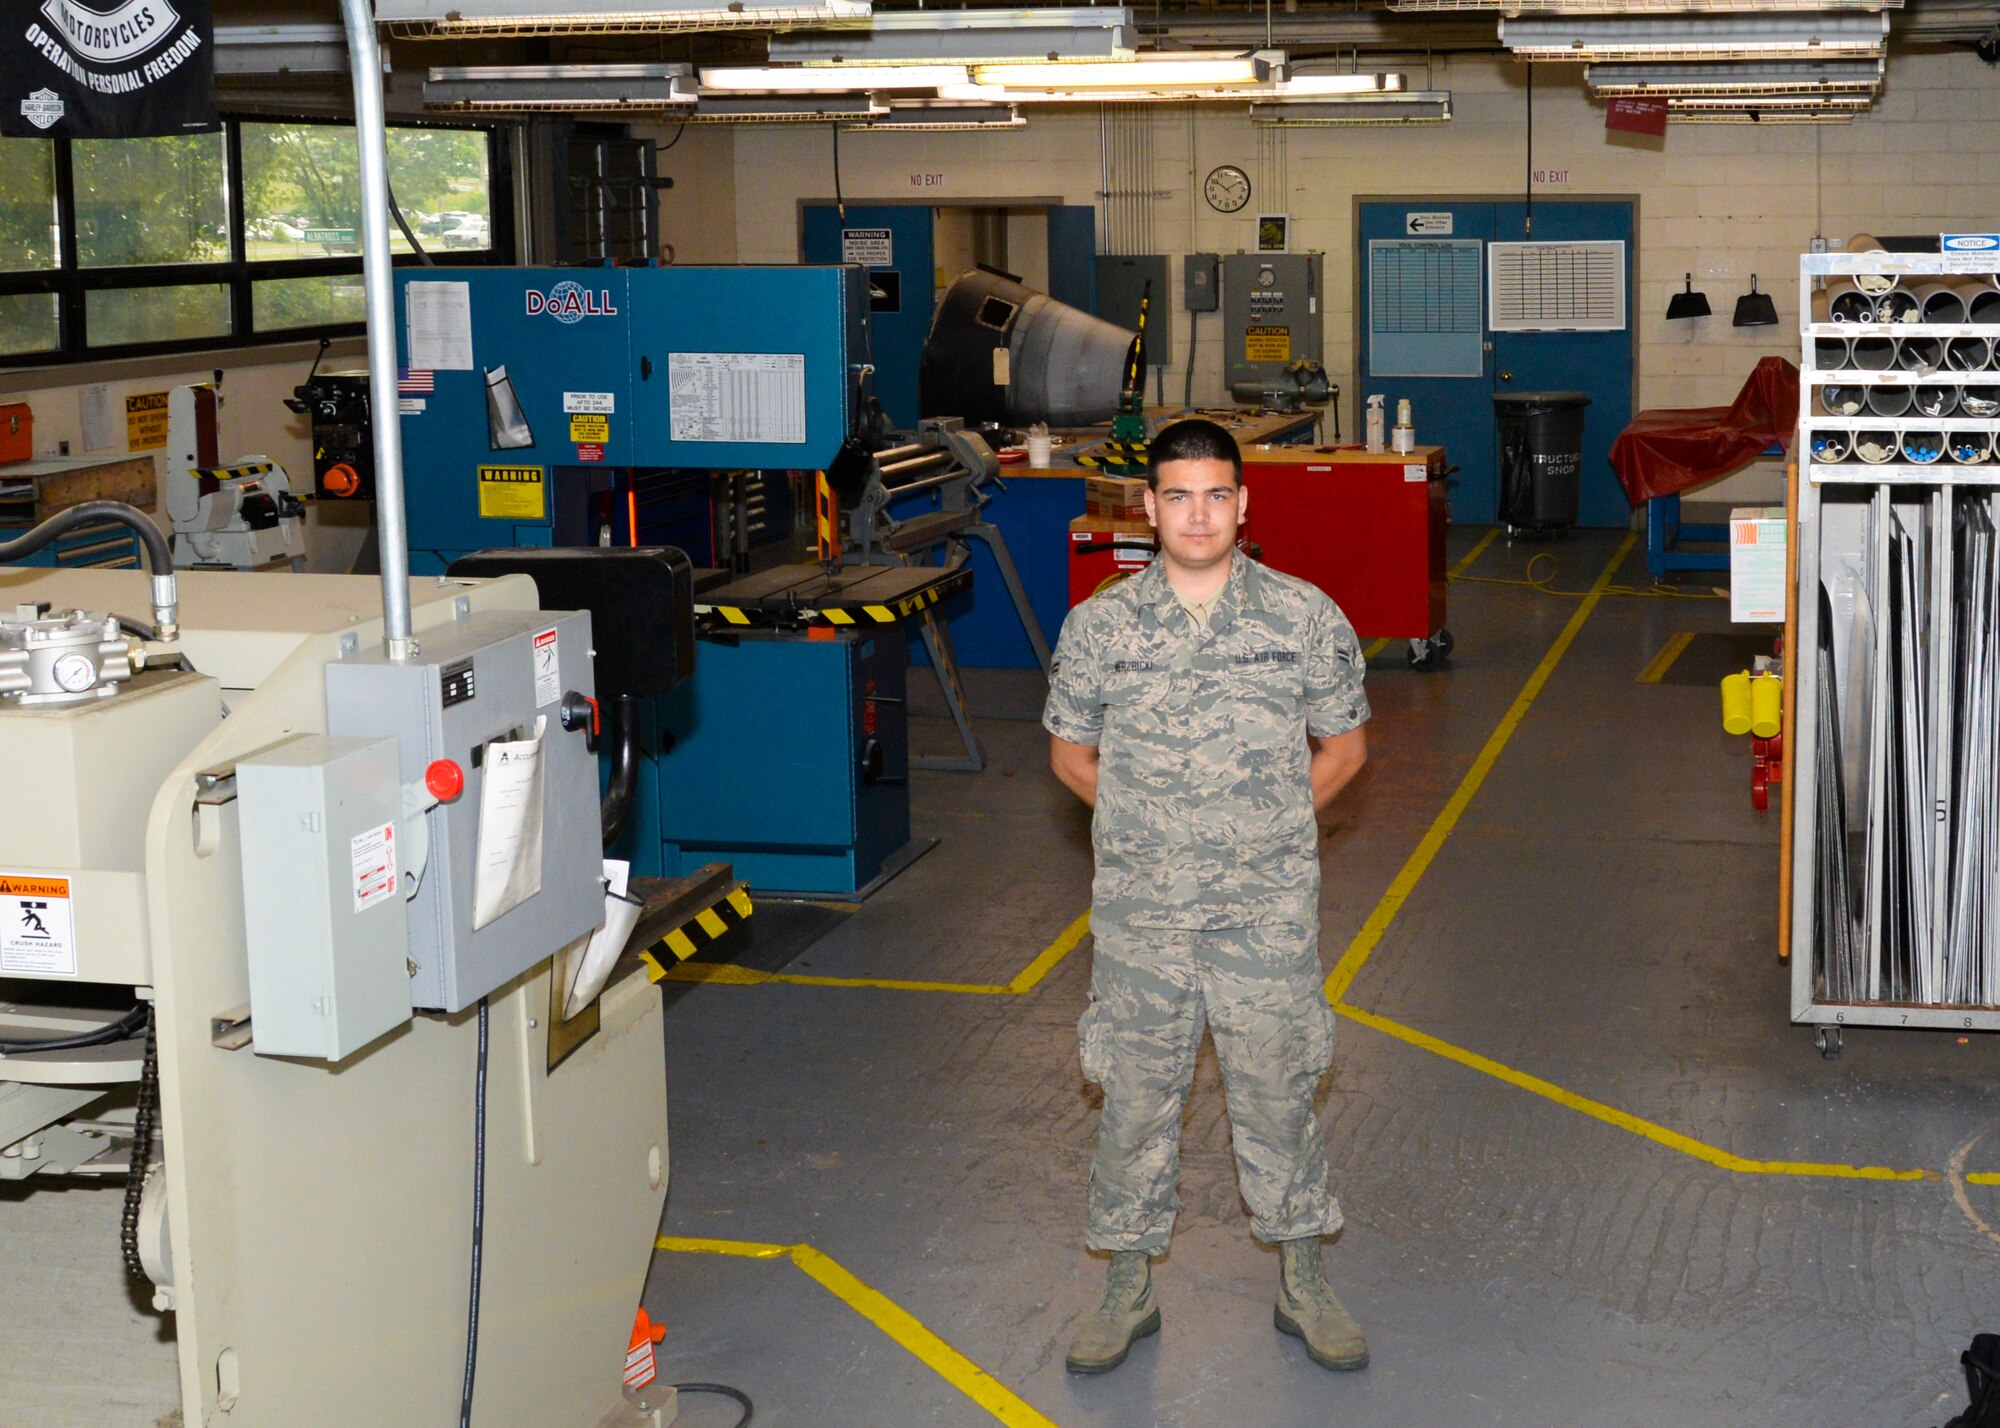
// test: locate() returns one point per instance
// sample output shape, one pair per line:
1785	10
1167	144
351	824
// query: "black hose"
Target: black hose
478	1225
118	1030
140	628
404	224
622	724
159	559
749	1408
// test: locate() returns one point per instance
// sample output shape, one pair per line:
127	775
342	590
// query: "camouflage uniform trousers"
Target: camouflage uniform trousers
1258	988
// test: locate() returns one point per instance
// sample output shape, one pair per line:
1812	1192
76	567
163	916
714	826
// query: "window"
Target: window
249	234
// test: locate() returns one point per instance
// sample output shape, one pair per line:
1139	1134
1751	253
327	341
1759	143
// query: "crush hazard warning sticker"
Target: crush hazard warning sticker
37	931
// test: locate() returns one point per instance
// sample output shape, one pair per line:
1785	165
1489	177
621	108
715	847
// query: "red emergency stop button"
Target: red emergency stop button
341	480
445	779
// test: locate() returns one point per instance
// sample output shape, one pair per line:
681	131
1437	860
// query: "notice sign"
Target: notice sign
146	421
1636	116
512	493
870	247
1267	344
37	930
606	402
1432	223
589	426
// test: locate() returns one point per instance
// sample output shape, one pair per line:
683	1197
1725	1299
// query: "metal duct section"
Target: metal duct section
1001	352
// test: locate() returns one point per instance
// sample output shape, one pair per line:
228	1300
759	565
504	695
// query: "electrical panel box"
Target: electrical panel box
522	384
1121	281
486	679
1270	313
1201	282
323	887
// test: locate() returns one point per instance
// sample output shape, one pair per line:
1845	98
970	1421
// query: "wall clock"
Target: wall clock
1227	188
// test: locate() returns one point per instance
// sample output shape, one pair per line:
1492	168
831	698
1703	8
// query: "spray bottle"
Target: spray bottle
1376	420
1404	438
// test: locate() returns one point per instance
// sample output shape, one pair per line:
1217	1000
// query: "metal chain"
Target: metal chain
142	1151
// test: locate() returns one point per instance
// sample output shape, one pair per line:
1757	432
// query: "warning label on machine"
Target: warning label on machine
548	668
589	426
512	493
375	872
1267	344
37	932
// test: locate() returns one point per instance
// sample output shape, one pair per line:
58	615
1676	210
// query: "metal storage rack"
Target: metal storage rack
1895	657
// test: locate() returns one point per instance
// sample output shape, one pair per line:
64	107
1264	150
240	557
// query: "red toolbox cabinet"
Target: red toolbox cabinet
1368	528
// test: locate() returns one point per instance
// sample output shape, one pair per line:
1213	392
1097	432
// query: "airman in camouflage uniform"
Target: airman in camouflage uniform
1205	905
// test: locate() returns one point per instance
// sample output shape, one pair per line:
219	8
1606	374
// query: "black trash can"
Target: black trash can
1541	458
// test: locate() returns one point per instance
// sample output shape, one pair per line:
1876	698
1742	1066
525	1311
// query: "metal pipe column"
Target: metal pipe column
377	276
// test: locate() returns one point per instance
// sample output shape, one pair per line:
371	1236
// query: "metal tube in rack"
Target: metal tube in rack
1874	354
1968	354
1920	354
1938	401
1876	447
1969	447
1889	401
1922	445
1939	303
1831	354
371	134
1898	305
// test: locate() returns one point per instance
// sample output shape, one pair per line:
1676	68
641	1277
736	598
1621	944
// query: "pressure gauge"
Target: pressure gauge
75	673
1267	277
1227	188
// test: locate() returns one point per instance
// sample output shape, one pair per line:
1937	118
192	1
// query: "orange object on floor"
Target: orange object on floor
641	1364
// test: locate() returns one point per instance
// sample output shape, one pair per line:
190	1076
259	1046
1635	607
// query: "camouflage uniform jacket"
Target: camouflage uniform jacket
1204	803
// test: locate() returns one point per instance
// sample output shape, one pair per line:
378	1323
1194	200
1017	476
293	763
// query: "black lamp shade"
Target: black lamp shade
1755	309
1687	304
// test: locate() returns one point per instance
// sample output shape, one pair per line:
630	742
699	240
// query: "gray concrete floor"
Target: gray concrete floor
1602	917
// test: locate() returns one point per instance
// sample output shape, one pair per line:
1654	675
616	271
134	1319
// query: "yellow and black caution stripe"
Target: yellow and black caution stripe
1116	454
901	609
241	471
700	931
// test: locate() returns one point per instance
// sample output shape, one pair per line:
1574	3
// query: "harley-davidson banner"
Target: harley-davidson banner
137	69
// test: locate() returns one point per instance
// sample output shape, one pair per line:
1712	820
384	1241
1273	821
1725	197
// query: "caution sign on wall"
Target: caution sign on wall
512	493
146	421
1267	344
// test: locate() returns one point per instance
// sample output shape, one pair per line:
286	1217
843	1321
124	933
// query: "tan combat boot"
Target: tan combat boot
1307	1310
1129	1313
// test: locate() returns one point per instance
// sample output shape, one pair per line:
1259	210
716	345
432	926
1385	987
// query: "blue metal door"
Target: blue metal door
895	243
1598	363
1073	256
1424	335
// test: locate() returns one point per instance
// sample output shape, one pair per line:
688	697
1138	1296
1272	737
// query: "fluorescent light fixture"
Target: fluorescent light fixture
1332	86
1637	7
786	109
793	79
1040	36
1206	70
996	94
1664	81
1421	106
278	51
939	116
417	18
1692	37
559	88
1769	104
1758	116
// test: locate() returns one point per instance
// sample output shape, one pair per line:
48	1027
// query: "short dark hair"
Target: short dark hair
1192	439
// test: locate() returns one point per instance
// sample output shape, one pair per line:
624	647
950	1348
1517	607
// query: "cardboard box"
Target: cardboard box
1120	496
1757	565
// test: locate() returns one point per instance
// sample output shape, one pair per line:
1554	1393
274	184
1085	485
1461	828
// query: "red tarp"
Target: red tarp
1678	448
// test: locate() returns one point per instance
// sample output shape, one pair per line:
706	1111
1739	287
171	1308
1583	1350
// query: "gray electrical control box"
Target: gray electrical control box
1122	280
1201	282
491	677
323	895
1270	313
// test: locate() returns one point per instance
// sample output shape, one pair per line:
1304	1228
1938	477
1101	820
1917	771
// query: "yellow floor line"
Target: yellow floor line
730	975
1419	862
1664	660
1623	1120
1465	563
1983	1177
888	1316
1373	648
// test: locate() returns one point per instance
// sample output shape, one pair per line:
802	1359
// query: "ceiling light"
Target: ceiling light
1754	116
786	108
1639	7
1153	71
1316	86
1690	37
559	88
280	50
937	116
1661	81
792	79
1768	102
1423	106
997	94
1043	36
418	18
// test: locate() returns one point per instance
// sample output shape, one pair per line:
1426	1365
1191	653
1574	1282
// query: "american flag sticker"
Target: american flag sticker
415	381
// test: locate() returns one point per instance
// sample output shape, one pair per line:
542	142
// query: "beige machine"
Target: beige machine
307	1219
